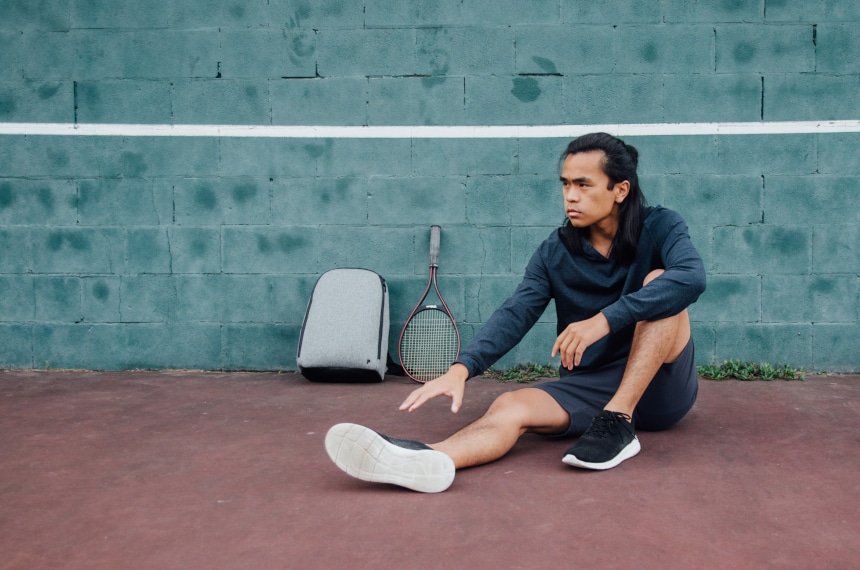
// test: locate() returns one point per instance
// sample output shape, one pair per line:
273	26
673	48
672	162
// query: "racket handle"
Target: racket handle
435	238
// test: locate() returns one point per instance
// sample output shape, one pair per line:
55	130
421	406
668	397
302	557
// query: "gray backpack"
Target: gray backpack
344	336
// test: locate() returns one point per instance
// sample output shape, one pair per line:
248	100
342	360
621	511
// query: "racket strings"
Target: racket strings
430	344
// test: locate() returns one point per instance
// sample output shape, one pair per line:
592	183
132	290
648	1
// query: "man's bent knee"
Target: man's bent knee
530	409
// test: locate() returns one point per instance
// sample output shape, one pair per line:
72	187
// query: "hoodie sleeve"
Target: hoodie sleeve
676	289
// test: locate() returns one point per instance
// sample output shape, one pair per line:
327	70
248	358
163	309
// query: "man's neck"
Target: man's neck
601	234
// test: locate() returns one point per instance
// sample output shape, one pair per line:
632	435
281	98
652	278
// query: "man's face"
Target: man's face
588	199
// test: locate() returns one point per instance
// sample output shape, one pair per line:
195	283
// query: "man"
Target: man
622	275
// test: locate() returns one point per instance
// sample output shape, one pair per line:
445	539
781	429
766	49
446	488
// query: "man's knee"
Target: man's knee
652	276
529	409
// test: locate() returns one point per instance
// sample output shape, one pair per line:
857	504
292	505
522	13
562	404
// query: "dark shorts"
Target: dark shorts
668	398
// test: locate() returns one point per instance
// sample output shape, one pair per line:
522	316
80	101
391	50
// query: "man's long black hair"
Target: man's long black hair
619	165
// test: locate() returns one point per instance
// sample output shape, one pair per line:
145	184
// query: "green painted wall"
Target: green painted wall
201	252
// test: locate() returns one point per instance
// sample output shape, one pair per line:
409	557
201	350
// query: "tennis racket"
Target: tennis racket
429	341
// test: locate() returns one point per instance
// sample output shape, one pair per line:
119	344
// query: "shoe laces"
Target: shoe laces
607	423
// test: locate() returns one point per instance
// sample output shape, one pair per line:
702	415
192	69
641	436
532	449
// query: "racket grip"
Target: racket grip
435	239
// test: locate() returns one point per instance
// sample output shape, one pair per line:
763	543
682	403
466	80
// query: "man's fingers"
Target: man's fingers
456	401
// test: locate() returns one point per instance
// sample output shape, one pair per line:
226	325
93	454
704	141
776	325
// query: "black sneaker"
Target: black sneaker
610	440
371	456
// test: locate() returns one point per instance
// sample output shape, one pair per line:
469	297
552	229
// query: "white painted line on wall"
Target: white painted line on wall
427	132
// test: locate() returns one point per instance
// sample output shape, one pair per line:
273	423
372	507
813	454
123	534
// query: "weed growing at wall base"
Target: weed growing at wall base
739	370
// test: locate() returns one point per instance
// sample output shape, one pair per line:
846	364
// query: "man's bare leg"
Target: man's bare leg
655	343
510	416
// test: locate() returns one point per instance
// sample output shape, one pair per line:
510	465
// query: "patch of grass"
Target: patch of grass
740	370
523	373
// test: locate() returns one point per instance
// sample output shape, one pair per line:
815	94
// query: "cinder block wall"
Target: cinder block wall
129	252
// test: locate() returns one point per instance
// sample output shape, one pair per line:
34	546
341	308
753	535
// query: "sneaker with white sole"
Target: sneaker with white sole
609	440
371	456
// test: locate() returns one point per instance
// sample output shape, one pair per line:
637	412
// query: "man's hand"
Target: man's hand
451	384
578	336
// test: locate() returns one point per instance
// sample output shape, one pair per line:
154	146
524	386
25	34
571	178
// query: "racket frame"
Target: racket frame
435	238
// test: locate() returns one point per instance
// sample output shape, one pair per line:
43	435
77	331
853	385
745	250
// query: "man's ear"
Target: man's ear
621	190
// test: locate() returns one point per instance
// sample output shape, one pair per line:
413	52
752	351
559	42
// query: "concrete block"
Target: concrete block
270	157
704	11
34	14
100	299
468	250
504	12
17	299
486	293
221	101
260	347
419	13
57	298
120	14
677	155
812	11
37	202
520	100
723	97
260	53
762	250
88	346
16	346
404	291
260	249
440	157
371	52
137	157
214	201
540	156
704	340
809	298
535	348
146	54
729	298
611	12
49	56
15	250
775	344
320	101
524	243
836	248
465	51
489	200
811	97
317	14
51	156
76	250
156	346
319	200
195	250
565	49
13	54
193	14
385	250
536	201
757	48
123	101
836	48
837	153
223	298
148	298
369	157
419	201
710	200
147	250
124	201
35	101
416	101
289	296
679	48
634	99
767	154
789	198
835	347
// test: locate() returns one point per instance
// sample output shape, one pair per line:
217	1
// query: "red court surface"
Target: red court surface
195	470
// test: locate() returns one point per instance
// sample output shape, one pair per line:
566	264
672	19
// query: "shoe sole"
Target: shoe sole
364	454
630	450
